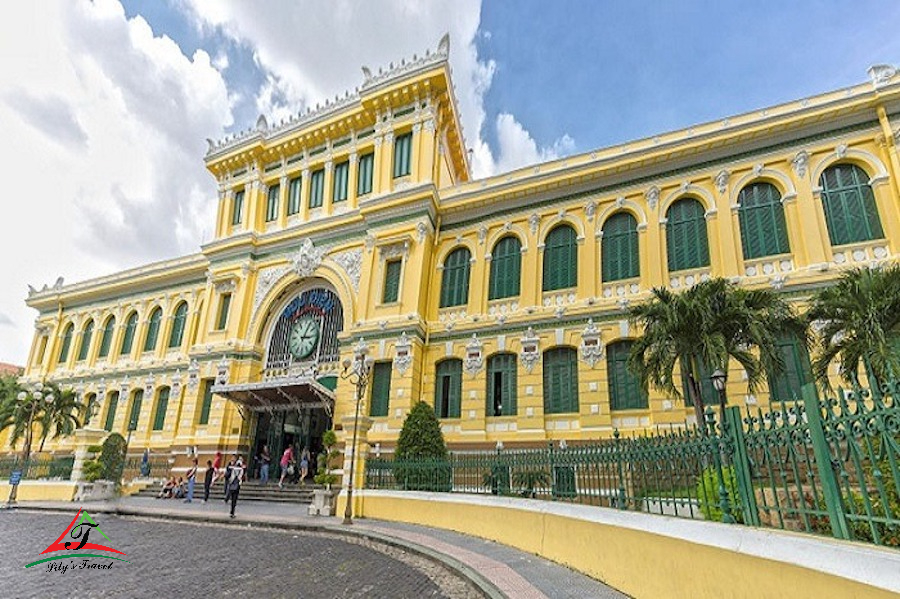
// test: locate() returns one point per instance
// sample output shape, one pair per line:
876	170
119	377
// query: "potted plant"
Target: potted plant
323	498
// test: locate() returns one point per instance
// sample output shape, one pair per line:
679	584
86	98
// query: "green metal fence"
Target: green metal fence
39	466
156	466
825	466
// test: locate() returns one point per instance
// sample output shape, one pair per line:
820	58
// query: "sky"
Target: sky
105	106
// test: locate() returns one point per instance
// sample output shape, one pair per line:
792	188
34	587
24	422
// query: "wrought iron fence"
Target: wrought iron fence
39	466
156	466
825	466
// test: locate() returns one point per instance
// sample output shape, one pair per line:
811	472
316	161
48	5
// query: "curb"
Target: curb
475	578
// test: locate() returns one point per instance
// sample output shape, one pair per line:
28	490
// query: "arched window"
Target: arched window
128	337
136	401
506	267
106	340
162	404
763	230
455	280
560	259
619	247
66	343
111	410
686	241
501	385
177	334
153	329
86	336
90	406
625	391
560	380
849	204
448	388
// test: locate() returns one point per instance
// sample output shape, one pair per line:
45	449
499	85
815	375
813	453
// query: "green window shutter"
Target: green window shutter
560	380
272	203
686	238
177	334
560	259
86	336
402	155
66	343
448	388
391	281
237	208
707	392
797	372
381	389
619	246
294	188
455	279
224	305
501	385
506	268
162	404
316	188
128	338
761	217
625	391
111	410
153	330
106	340
206	406
135	414
849	204
364	175
341	175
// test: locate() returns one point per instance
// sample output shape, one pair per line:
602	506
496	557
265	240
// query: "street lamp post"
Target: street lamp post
357	372
718	382
29	399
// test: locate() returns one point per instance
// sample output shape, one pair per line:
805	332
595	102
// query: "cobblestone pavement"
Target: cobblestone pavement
183	560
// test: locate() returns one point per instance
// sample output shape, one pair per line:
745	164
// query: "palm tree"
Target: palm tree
702	328
63	416
859	326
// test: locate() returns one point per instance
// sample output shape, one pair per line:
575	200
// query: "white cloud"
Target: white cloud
517	148
104	127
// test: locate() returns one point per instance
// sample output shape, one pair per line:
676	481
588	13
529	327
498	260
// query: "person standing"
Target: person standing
286	458
217	464
304	465
207	482
228	470
234	482
264	459
191	479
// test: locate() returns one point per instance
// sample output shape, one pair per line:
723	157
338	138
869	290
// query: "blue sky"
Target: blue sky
106	104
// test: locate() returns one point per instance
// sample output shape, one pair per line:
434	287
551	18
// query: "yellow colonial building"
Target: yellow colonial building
499	301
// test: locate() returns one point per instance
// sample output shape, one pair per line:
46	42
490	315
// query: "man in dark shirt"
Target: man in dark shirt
207	483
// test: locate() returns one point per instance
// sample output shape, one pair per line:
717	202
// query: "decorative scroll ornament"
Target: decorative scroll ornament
308	259
223	371
722	180
534	220
841	150
149	384
264	283
590	210
124	387
193	375
652	196
531	350
474	355
800	163
403	354
351	262
881	74
591	348
482	234
421	231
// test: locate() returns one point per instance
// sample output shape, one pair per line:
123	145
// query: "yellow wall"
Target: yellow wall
41	491
651	556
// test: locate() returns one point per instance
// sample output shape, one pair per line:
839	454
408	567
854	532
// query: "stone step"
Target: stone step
251	492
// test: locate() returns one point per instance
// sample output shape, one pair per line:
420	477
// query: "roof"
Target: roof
10	369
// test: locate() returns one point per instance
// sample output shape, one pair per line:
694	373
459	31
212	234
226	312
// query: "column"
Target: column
352	176
304	194
813	231
282	201
362	427
328	193
415	153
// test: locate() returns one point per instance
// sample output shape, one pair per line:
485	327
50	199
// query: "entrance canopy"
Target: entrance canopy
279	394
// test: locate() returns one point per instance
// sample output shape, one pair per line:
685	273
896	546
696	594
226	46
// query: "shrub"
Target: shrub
529	480
708	494
112	456
421	461
93	470
323	464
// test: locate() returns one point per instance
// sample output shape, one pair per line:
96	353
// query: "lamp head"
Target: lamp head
49	399
369	361
346	364
718	379
37	395
21	396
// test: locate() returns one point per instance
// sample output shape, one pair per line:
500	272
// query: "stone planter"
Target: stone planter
96	491
323	502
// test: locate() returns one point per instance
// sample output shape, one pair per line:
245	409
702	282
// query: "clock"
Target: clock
304	337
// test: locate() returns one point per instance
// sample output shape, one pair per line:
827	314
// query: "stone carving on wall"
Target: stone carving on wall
403	354
308	259
882	74
223	371
482	234
149	384
590	210
800	163
474	355
421	231
722	180
264	283
531	350
193	375
591	348
534	221
351	262
841	150
652	196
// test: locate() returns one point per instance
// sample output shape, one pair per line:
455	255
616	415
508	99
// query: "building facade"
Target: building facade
498	301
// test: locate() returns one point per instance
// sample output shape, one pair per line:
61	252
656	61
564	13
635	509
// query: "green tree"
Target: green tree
421	458
62	417
858	322
705	326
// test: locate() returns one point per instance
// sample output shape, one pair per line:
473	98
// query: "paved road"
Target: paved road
183	560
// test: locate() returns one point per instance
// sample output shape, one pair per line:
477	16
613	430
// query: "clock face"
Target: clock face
303	337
